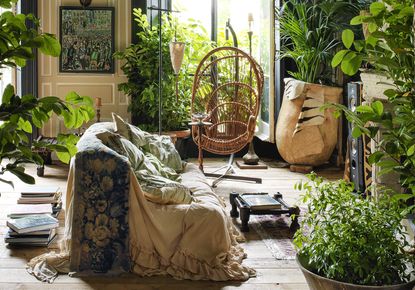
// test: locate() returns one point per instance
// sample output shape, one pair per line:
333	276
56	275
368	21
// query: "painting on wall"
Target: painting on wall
87	39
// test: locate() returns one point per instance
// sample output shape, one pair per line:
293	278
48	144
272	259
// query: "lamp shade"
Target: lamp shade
176	55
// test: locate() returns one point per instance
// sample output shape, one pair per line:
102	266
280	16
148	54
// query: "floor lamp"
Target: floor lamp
160	78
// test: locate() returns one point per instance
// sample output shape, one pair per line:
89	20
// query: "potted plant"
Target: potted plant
390	48
308	32
141	67
18	114
349	242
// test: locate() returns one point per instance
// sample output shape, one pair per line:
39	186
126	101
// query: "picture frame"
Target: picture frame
87	39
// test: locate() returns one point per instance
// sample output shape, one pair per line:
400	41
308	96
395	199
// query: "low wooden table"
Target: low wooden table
237	202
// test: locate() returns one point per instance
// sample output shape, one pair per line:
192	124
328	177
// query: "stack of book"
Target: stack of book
39	195
32	230
32	222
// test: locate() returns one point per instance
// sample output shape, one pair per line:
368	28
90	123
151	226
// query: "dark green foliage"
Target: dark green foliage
351	239
141	65
17	114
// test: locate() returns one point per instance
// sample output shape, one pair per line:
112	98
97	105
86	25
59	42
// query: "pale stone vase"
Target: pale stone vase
304	134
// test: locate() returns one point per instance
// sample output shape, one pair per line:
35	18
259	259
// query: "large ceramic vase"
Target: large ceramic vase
305	134
316	282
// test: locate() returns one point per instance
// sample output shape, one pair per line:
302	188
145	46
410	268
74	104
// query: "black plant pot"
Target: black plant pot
316	282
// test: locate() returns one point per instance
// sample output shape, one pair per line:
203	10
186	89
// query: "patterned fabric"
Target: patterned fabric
100	232
160	146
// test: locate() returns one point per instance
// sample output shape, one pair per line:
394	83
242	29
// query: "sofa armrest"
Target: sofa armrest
100	233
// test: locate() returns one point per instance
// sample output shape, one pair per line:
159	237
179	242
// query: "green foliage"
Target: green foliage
142	64
389	47
17	114
309	35
351	239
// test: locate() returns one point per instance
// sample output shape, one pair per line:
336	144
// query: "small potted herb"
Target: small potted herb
349	242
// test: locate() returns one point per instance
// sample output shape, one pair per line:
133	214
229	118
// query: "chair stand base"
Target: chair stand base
227	175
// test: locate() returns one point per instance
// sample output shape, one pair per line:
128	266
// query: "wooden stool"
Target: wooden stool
237	202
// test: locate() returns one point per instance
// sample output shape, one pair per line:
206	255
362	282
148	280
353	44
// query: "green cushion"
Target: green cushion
160	146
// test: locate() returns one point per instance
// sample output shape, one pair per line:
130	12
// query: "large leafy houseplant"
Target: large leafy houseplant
309	35
350	239
141	62
390	48
19	114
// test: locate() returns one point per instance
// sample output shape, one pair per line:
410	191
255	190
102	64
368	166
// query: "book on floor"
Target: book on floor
22	210
37	200
40	190
33	223
260	201
11	238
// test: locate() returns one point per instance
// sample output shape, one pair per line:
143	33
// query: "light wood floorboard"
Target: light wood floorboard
271	273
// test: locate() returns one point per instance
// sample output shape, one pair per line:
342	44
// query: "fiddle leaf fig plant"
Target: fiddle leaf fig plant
352	239
20	115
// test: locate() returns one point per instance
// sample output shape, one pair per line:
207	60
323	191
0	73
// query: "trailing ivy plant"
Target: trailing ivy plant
18	114
141	65
390	48
351	239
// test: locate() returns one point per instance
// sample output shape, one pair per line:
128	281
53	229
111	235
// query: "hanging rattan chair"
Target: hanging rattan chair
227	90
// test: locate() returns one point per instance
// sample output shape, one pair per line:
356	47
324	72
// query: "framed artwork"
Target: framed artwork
87	39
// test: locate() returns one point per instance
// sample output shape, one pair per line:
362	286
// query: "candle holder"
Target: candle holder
98	105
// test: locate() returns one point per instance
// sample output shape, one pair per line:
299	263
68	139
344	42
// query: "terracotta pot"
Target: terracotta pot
174	135
316	282
313	145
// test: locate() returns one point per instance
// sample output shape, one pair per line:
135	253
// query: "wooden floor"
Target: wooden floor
271	273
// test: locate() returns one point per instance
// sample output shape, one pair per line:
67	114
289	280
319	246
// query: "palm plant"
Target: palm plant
309	35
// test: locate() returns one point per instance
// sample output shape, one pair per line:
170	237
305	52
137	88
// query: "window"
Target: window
7	73
214	14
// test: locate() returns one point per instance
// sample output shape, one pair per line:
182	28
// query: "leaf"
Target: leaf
356	133
50	45
65	157
364	109
7	181
372	41
22	176
347	38
351	63
411	150
25	125
377	107
356	20
375	157
8	93
372	27
338	57
376	8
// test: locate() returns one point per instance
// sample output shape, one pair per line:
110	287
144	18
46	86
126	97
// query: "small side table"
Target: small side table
200	124
237	202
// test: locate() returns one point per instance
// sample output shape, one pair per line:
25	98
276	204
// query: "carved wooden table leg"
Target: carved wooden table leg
234	210
245	214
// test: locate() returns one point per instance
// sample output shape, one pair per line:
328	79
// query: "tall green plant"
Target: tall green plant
309	35
390	48
19	114
142	67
